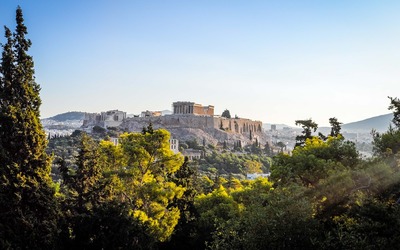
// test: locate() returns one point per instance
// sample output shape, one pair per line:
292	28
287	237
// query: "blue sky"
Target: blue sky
274	61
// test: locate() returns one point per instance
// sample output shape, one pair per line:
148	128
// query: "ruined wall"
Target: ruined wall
238	125
203	110
113	115
112	118
230	125
148	113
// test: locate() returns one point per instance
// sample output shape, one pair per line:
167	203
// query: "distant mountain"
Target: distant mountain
379	123
167	112
69	116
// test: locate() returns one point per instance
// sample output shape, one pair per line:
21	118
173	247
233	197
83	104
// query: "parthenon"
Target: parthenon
192	108
188	119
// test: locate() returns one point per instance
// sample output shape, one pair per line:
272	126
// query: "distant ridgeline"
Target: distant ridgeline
189	121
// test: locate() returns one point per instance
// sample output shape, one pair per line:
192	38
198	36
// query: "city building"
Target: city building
174	145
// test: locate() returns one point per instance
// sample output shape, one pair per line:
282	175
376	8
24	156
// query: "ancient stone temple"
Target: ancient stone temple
182	108
189	121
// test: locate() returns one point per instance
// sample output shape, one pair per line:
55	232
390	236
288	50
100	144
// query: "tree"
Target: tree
335	129
145	184
185	230
82	195
335	126
96	214
148	129
308	128
314	161
281	145
395	106
267	149
270	219
27	205
99	130
214	209
93	217
88	175
226	114
253	166
387	144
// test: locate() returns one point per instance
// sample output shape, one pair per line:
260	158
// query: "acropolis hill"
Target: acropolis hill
189	121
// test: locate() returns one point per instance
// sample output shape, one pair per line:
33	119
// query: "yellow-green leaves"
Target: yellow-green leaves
141	165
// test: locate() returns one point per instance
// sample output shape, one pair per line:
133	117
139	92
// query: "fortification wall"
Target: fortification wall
189	127
230	125
238	125
169	121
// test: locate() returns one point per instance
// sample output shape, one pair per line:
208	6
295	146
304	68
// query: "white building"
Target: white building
174	145
114	140
256	175
193	153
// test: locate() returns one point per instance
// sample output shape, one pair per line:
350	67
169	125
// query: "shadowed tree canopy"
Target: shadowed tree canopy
27	206
226	114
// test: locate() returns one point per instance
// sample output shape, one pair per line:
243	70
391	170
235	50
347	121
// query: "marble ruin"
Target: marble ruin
148	113
111	118
183	108
189	120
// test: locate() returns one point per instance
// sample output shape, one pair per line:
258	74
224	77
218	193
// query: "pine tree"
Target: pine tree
309	127
226	114
184	232
267	149
88	175
84	191
335	126
395	106
27	204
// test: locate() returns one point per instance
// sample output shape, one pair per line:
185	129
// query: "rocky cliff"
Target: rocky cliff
213	130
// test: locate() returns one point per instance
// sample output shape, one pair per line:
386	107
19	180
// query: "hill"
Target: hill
63	124
68	116
379	123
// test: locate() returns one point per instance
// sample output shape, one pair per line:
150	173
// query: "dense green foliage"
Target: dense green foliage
27	203
229	162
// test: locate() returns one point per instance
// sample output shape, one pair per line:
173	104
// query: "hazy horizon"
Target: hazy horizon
274	61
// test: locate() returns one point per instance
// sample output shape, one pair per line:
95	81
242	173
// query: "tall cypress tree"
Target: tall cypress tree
27	203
